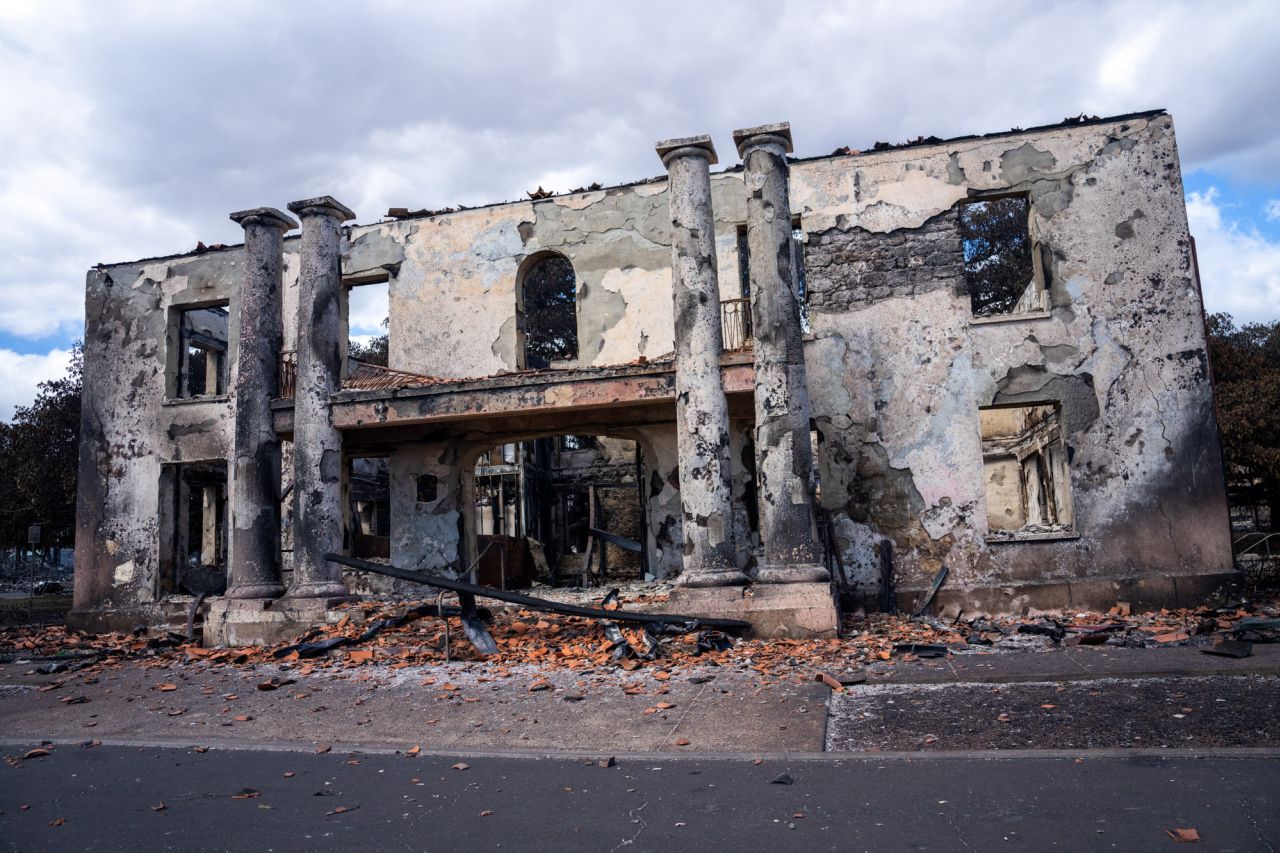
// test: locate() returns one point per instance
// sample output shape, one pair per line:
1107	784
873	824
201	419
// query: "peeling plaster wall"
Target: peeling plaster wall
897	368
662	491
453	292
426	536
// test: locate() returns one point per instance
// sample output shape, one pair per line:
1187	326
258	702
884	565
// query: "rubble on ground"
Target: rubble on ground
552	642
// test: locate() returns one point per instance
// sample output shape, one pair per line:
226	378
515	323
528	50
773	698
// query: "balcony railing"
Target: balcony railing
735	324
288	372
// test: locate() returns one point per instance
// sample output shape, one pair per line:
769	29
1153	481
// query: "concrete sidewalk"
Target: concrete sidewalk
704	709
1077	663
457	706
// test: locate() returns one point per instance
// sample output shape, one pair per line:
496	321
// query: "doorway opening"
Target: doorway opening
565	510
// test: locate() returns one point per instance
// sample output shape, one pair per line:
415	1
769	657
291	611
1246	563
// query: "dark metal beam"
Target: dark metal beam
535	603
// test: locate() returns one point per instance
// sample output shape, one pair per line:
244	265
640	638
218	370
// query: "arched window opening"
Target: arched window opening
550	311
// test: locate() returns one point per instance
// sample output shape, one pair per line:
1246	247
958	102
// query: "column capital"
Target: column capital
750	137
268	216
687	146
325	205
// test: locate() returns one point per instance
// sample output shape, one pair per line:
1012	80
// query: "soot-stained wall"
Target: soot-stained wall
899	367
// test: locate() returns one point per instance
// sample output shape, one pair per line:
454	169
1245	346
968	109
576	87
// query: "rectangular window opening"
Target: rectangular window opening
800	285
744	260
194	528
202	348
1025	472
369	506
1001	263
369	321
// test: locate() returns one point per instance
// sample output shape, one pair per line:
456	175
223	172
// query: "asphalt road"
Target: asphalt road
126	798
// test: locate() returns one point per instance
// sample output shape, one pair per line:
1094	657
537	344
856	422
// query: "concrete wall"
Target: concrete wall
454	282
897	366
129	427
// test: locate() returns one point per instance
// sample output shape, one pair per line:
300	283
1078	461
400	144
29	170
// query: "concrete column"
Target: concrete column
784	457
317	445
253	570
702	413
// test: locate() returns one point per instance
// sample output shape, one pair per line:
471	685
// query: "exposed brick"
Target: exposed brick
850	268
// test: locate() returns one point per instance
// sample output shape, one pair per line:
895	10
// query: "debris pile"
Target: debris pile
400	635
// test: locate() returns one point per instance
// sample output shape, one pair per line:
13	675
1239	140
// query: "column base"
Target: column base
704	579
332	591
258	622
793	573
245	591
800	611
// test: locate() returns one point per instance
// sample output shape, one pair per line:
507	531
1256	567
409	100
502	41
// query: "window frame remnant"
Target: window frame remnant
986	261
368	506
191	374
798	240
1038	449
547	319
194	515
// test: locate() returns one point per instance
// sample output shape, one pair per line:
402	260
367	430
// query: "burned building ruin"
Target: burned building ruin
783	385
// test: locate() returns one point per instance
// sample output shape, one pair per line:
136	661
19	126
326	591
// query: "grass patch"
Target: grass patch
46	609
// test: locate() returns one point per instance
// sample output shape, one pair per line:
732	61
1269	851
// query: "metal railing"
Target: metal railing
1258	556
735	324
288	372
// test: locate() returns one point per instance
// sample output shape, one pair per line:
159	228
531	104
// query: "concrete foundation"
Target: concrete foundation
797	611
1142	594
257	622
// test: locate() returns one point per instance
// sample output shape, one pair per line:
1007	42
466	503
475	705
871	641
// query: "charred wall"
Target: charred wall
899	366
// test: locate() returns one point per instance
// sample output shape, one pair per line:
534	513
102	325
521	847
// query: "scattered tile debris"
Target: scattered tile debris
550	642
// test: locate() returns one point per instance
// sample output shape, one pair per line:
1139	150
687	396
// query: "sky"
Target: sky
131	129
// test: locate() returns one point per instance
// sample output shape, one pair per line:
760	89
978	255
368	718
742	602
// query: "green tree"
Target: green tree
997	248
39	452
550	312
1246	373
374	352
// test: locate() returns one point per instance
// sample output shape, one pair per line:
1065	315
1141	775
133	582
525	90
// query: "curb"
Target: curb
1246	752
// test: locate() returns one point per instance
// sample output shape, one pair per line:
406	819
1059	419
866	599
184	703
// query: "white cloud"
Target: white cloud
1122	66
1273	209
1239	266
367	306
20	374
133	128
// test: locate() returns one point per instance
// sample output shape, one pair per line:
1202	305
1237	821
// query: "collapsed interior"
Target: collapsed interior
1024	460
194	552
563	511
